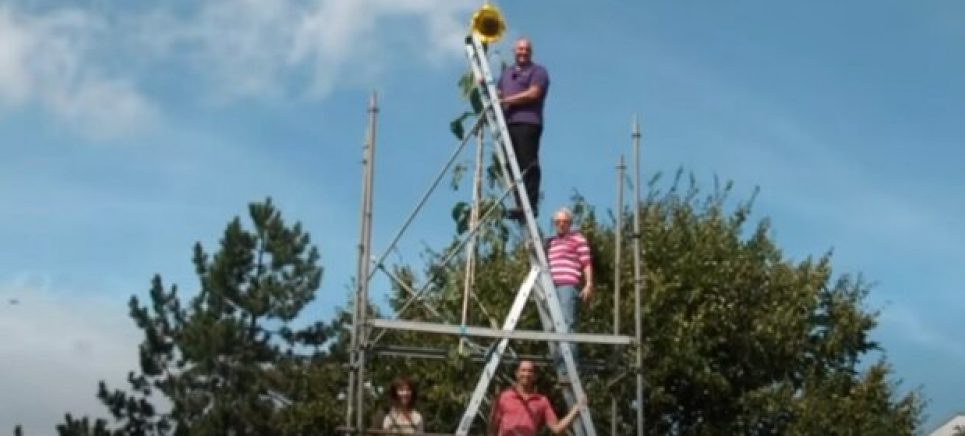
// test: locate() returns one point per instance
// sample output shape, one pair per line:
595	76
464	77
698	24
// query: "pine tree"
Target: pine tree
83	427
230	360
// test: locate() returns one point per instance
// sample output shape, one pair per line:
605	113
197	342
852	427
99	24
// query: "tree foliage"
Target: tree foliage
83	427
737	338
230	359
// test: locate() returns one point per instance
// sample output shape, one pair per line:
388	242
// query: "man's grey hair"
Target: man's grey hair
564	211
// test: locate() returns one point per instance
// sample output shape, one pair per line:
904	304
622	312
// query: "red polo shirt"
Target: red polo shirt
518	416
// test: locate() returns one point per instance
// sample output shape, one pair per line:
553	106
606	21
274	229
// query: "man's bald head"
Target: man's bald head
524	51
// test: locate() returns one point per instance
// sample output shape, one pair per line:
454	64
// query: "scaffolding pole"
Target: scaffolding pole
616	278
473	223
361	343
425	197
637	279
480	355
356	391
483	332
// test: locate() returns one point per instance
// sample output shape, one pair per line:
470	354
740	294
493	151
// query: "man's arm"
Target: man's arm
537	85
583	251
588	287
560	426
530	94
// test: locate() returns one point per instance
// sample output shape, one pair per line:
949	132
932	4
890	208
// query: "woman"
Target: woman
402	417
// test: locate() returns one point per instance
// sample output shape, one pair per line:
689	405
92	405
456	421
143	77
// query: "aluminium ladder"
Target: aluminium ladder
539	279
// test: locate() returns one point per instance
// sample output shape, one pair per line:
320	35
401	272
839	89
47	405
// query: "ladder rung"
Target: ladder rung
532	335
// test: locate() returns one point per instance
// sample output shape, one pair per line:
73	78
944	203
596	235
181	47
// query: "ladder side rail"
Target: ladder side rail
481	65
489	371
547	321
583	425
475	56
543	302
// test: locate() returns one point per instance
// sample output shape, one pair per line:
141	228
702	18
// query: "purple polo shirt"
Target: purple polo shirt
516	79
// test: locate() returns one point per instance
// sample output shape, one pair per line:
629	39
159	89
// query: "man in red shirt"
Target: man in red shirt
521	411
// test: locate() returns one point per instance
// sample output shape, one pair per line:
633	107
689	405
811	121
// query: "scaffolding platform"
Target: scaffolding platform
480	356
525	335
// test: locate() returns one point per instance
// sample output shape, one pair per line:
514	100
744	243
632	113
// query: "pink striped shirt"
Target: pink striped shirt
567	256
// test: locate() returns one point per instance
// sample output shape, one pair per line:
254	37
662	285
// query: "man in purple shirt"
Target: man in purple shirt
522	91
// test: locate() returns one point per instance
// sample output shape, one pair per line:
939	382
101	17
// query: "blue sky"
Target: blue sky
132	131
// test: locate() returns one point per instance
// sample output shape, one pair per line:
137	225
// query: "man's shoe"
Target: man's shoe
515	214
518	214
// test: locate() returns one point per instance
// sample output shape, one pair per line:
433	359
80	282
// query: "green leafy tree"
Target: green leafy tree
231	360
738	339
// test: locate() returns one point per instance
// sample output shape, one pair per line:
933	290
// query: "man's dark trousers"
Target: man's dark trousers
526	139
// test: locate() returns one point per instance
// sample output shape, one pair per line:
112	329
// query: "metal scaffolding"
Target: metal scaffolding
363	326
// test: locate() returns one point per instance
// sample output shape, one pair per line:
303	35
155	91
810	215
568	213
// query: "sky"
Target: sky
132	130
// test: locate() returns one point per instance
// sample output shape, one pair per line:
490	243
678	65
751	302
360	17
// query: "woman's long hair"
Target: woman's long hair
394	392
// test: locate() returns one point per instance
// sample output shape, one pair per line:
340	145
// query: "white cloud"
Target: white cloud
55	350
15	82
254	47
88	66
344	31
47	59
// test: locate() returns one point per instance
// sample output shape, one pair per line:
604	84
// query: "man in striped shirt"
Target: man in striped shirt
571	267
